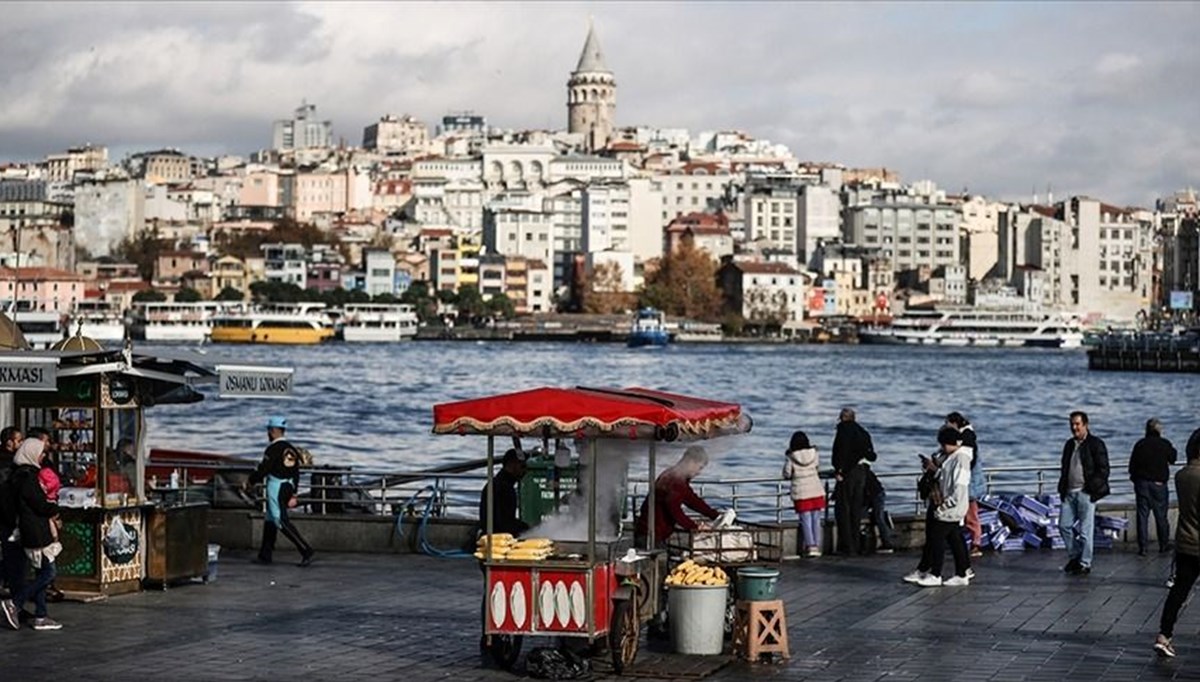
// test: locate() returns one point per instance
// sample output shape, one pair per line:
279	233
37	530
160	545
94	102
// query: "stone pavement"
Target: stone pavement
393	617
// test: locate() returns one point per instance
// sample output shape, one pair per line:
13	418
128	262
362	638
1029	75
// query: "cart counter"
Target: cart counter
558	598
103	549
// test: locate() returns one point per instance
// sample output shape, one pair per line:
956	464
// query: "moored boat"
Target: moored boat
964	326
279	323
176	322
649	329
99	320
377	322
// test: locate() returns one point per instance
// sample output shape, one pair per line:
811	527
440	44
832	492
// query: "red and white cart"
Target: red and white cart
597	595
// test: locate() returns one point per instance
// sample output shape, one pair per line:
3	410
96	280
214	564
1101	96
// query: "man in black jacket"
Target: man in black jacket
12	556
1148	469
504	496
852	448
1082	482
280	471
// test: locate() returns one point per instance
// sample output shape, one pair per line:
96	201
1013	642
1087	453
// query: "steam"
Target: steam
570	523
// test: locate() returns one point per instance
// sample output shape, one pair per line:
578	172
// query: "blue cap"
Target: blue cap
277	423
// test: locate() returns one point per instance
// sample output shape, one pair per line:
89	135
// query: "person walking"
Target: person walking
33	513
800	467
1187	545
852	449
280	470
1148	469
947	486
978	480
1082	482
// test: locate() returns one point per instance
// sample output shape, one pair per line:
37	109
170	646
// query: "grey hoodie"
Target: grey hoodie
954	480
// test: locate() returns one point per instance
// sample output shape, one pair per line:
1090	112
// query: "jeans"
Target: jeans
880	519
850	494
1077	505
1187	567
810	529
1152	496
940	534
36	590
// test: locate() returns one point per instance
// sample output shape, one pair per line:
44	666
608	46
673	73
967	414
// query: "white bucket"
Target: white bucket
697	618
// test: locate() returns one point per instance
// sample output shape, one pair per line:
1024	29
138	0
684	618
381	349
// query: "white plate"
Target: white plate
562	604
516	600
499	609
546	604
578	602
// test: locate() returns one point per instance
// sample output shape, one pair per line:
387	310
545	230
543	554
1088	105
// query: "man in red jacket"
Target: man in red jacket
672	492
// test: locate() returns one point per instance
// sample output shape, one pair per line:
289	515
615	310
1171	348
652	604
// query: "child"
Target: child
808	495
51	484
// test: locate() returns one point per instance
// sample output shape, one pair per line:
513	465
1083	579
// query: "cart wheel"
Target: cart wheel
623	634
505	649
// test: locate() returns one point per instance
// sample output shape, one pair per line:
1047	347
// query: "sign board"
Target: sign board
259	382
1181	300
28	374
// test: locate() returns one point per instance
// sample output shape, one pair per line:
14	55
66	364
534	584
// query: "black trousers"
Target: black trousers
927	548
1187	568
940	534
270	531
850	498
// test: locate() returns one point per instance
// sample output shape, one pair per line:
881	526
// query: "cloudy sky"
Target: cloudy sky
1088	98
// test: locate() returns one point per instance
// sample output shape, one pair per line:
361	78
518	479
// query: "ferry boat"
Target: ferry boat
377	322
42	329
278	323
649	329
176	322
978	327
98	320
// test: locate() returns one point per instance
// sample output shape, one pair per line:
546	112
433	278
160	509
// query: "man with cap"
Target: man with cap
280	470
504	496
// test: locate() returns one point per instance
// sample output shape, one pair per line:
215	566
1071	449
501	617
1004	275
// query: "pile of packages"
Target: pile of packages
1013	522
507	548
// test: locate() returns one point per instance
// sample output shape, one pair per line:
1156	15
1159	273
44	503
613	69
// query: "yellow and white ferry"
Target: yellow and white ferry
277	323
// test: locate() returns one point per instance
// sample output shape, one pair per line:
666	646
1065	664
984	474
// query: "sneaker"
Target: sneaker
885	550
306	559
1083	570
10	614
915	576
976	553
1171	581
1072	566
1163	646
957	581
930	581
46	623
970	574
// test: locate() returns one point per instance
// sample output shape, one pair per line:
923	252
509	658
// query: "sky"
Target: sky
1000	99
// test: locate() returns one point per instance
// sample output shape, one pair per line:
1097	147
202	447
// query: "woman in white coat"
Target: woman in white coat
808	495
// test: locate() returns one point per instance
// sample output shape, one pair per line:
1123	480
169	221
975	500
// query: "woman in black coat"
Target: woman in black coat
34	514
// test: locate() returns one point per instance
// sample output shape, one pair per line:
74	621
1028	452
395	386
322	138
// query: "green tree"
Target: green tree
470	302
424	304
149	296
500	305
142	249
385	298
685	285
229	294
187	295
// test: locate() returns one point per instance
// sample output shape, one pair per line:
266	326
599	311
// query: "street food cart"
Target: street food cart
594	589
91	401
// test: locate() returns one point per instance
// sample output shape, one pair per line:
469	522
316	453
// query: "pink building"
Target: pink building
46	289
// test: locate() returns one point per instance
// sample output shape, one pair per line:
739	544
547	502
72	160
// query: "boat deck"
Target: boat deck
389	617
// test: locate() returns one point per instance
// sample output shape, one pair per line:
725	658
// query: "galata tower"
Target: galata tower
592	96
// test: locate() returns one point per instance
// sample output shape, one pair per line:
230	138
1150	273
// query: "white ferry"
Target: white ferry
42	329
176	322
276	323
98	320
978	327
377	322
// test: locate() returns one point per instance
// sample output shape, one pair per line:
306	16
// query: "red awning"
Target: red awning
591	413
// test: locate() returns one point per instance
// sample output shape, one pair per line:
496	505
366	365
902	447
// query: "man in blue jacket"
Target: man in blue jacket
1082	482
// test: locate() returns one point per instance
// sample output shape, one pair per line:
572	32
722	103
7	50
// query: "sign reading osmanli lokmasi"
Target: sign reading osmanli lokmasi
254	381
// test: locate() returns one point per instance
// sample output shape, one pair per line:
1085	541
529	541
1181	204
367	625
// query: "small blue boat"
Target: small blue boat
649	329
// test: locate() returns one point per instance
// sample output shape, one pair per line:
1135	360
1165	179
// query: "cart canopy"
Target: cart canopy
635	413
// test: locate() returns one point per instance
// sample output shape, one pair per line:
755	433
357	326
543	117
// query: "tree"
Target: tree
149	296
230	294
417	295
246	244
385	298
601	291
470	302
142	249
187	295
500	305
684	284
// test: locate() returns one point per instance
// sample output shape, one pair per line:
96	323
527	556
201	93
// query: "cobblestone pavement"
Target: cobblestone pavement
389	617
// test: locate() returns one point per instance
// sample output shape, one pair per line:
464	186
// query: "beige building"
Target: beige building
705	231
979	232
391	135
234	273
62	167
763	293
46	289
164	166
696	187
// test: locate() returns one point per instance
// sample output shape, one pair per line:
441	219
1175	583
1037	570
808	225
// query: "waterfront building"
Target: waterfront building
325	267
230	272
42	289
302	131
171	266
392	135
380	268
592	96
915	226
763	294
705	231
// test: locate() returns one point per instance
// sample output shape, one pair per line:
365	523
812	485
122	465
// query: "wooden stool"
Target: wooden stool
760	627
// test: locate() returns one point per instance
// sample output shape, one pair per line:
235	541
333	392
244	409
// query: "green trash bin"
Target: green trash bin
536	493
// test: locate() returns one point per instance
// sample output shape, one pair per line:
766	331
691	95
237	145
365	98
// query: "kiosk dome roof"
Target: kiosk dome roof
11	337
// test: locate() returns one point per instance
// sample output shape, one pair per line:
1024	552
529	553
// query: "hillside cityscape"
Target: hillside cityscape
467	219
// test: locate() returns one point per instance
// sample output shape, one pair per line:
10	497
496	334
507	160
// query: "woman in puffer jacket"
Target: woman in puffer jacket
808	495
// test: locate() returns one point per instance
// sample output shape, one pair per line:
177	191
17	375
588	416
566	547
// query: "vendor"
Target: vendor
122	469
504	496
672	492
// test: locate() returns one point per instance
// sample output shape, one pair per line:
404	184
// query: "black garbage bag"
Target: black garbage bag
556	664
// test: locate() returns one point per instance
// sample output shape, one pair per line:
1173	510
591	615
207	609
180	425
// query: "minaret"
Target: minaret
592	96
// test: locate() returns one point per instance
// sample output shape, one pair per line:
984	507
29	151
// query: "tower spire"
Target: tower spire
591	60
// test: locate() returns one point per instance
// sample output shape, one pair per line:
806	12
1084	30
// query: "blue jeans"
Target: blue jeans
1152	496
36	590
810	529
1076	505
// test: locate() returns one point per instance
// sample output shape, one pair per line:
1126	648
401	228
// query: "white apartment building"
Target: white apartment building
622	216
818	219
771	208
302	131
519	226
107	212
695	188
287	263
980	235
392	135
915	227
380	270
759	291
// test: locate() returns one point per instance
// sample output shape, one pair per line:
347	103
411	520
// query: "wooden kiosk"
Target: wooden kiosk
90	399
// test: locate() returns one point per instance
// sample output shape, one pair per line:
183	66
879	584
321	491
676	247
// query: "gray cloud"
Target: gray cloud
1094	98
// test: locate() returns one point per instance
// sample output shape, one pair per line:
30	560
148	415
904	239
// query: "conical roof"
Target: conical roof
78	343
11	337
591	60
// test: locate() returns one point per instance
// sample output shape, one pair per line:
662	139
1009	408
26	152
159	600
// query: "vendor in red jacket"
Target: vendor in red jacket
672	492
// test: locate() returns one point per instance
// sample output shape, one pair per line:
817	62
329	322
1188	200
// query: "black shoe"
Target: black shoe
1142	552
260	561
1083	570
1165	549
306	559
1072	566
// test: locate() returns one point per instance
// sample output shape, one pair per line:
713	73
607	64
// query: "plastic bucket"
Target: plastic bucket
757	584
214	553
697	618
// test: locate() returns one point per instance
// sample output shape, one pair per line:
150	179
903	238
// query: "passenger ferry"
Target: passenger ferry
377	322
979	327
98	320
42	329
277	323
176	322
649	329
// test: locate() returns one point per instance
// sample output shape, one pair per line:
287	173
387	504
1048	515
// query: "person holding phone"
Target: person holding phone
946	483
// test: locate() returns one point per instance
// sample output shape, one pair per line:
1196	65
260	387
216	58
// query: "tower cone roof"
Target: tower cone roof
591	60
